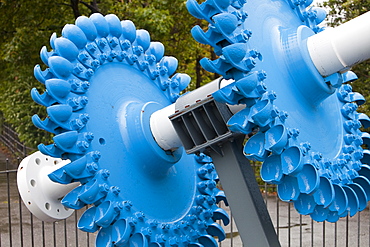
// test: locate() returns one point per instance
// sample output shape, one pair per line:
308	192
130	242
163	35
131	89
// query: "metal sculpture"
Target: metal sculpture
113	103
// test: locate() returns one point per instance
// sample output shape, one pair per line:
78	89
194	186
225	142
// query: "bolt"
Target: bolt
114	42
242	37
327	164
127	205
104	188
317	156
150	58
125	44
84	118
78	69
102	43
92	168
163	70
132	222
174	83
89	73
111	56
161	239
305	147
95	63
175	227
83	56
352	174
77	124
207	214
89	136
211	184
184	224
185	240
115	190
344	177
73	103
140	216
250	63
261	88
137	50
173	241
91	48
358	155
95	156
200	199
343	94
105	174
192	218
153	223
348	125
147	232
202	186
248	33
202	172
154	74
202	225
211	200
210	167
293	132
165	227
347	157
75	84
194	234
283	115
341	162
348	149
347	88
196	210
132	59
261	75
356	124
83	101
164	84
174	96
102	58
356	165
348	138
83	146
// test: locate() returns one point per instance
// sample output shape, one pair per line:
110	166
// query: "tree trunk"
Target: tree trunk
198	73
76	11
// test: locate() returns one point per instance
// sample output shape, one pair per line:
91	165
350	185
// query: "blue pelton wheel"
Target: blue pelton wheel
304	127
104	80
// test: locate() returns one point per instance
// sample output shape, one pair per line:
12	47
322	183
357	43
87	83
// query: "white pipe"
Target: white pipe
337	49
163	130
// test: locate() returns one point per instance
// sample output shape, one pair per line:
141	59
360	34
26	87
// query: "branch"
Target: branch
94	9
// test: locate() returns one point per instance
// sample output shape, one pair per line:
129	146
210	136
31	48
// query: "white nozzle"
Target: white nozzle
337	49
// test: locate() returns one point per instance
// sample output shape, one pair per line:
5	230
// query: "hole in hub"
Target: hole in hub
102	141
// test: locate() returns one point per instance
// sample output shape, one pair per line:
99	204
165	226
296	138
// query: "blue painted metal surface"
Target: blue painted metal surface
308	131
104	80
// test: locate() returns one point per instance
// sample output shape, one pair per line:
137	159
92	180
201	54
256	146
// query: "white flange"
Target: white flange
41	195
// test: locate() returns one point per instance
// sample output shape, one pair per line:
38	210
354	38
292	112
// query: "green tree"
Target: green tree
26	26
341	11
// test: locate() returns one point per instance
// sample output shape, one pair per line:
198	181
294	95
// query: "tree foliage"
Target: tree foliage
26	26
341	11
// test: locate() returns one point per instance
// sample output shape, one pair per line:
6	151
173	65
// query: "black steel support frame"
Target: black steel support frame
203	128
